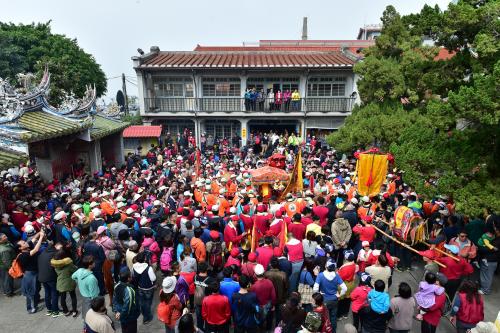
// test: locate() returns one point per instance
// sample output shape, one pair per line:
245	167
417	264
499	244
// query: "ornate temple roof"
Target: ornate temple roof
26	116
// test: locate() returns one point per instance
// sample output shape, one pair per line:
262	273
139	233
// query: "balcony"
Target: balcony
228	105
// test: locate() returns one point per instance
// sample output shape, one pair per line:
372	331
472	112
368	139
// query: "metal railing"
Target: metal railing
236	104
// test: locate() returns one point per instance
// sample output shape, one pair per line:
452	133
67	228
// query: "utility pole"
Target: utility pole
124	89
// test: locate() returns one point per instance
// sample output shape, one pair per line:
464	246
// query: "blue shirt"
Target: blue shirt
228	287
327	287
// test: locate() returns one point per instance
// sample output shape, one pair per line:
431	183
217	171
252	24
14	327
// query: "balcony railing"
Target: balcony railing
236	104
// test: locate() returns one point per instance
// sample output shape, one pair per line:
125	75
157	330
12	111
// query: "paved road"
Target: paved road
14	319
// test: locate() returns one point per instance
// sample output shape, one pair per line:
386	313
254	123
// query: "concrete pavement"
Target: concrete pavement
15	319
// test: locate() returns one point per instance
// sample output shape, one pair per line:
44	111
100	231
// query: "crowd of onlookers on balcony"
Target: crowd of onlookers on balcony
259	100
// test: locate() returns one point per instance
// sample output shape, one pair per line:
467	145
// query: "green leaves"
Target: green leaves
440	118
29	48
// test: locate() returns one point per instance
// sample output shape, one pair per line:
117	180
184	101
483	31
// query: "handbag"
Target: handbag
15	270
306	292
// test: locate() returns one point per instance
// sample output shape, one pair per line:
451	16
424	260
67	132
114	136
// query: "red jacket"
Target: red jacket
298	230
322	213
264	255
358	297
433	314
470	313
231	236
366	233
455	269
265	292
215	309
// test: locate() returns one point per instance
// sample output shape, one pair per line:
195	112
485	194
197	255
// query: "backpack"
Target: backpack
215	259
163	311
199	292
15	270
148	254
166	259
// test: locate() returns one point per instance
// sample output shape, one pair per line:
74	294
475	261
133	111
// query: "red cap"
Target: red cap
134	207
246	209
214	234
336	181
278	213
235	218
252	256
277	252
180	210
385	195
209	208
235	252
261	208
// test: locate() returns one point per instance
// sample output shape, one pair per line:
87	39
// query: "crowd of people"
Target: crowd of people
260	100
191	229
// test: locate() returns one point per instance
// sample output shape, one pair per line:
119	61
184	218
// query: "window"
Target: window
173	87
221	87
326	86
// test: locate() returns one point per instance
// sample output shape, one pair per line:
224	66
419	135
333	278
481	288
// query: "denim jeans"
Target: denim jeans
145	298
200	323
51	296
487	271
332	310
294	277
6	281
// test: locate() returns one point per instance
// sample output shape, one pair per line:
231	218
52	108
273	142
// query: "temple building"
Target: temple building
56	139
205	90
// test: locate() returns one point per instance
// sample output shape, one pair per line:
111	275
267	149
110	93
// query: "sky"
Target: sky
112	30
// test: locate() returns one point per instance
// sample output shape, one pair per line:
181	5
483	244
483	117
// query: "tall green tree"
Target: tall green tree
439	117
29	48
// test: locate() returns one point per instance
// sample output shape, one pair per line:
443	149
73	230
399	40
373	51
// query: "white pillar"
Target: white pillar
197	132
119	152
355	79
303	128
95	156
302	91
141	94
244	131
243	87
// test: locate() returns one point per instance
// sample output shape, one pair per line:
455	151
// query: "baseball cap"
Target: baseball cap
259	270
452	248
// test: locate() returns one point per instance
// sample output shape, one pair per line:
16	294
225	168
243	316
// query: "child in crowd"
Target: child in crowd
378	299
363	255
426	295
484	242
359	297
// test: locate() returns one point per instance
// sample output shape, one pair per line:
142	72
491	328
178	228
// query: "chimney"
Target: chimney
304	29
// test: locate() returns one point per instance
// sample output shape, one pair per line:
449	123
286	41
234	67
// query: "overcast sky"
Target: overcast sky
112	30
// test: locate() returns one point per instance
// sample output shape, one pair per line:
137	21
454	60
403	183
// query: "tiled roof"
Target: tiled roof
104	126
244	59
142	132
10	158
44	125
444	54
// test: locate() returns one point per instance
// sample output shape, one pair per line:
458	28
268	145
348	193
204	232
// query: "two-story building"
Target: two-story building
204	89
